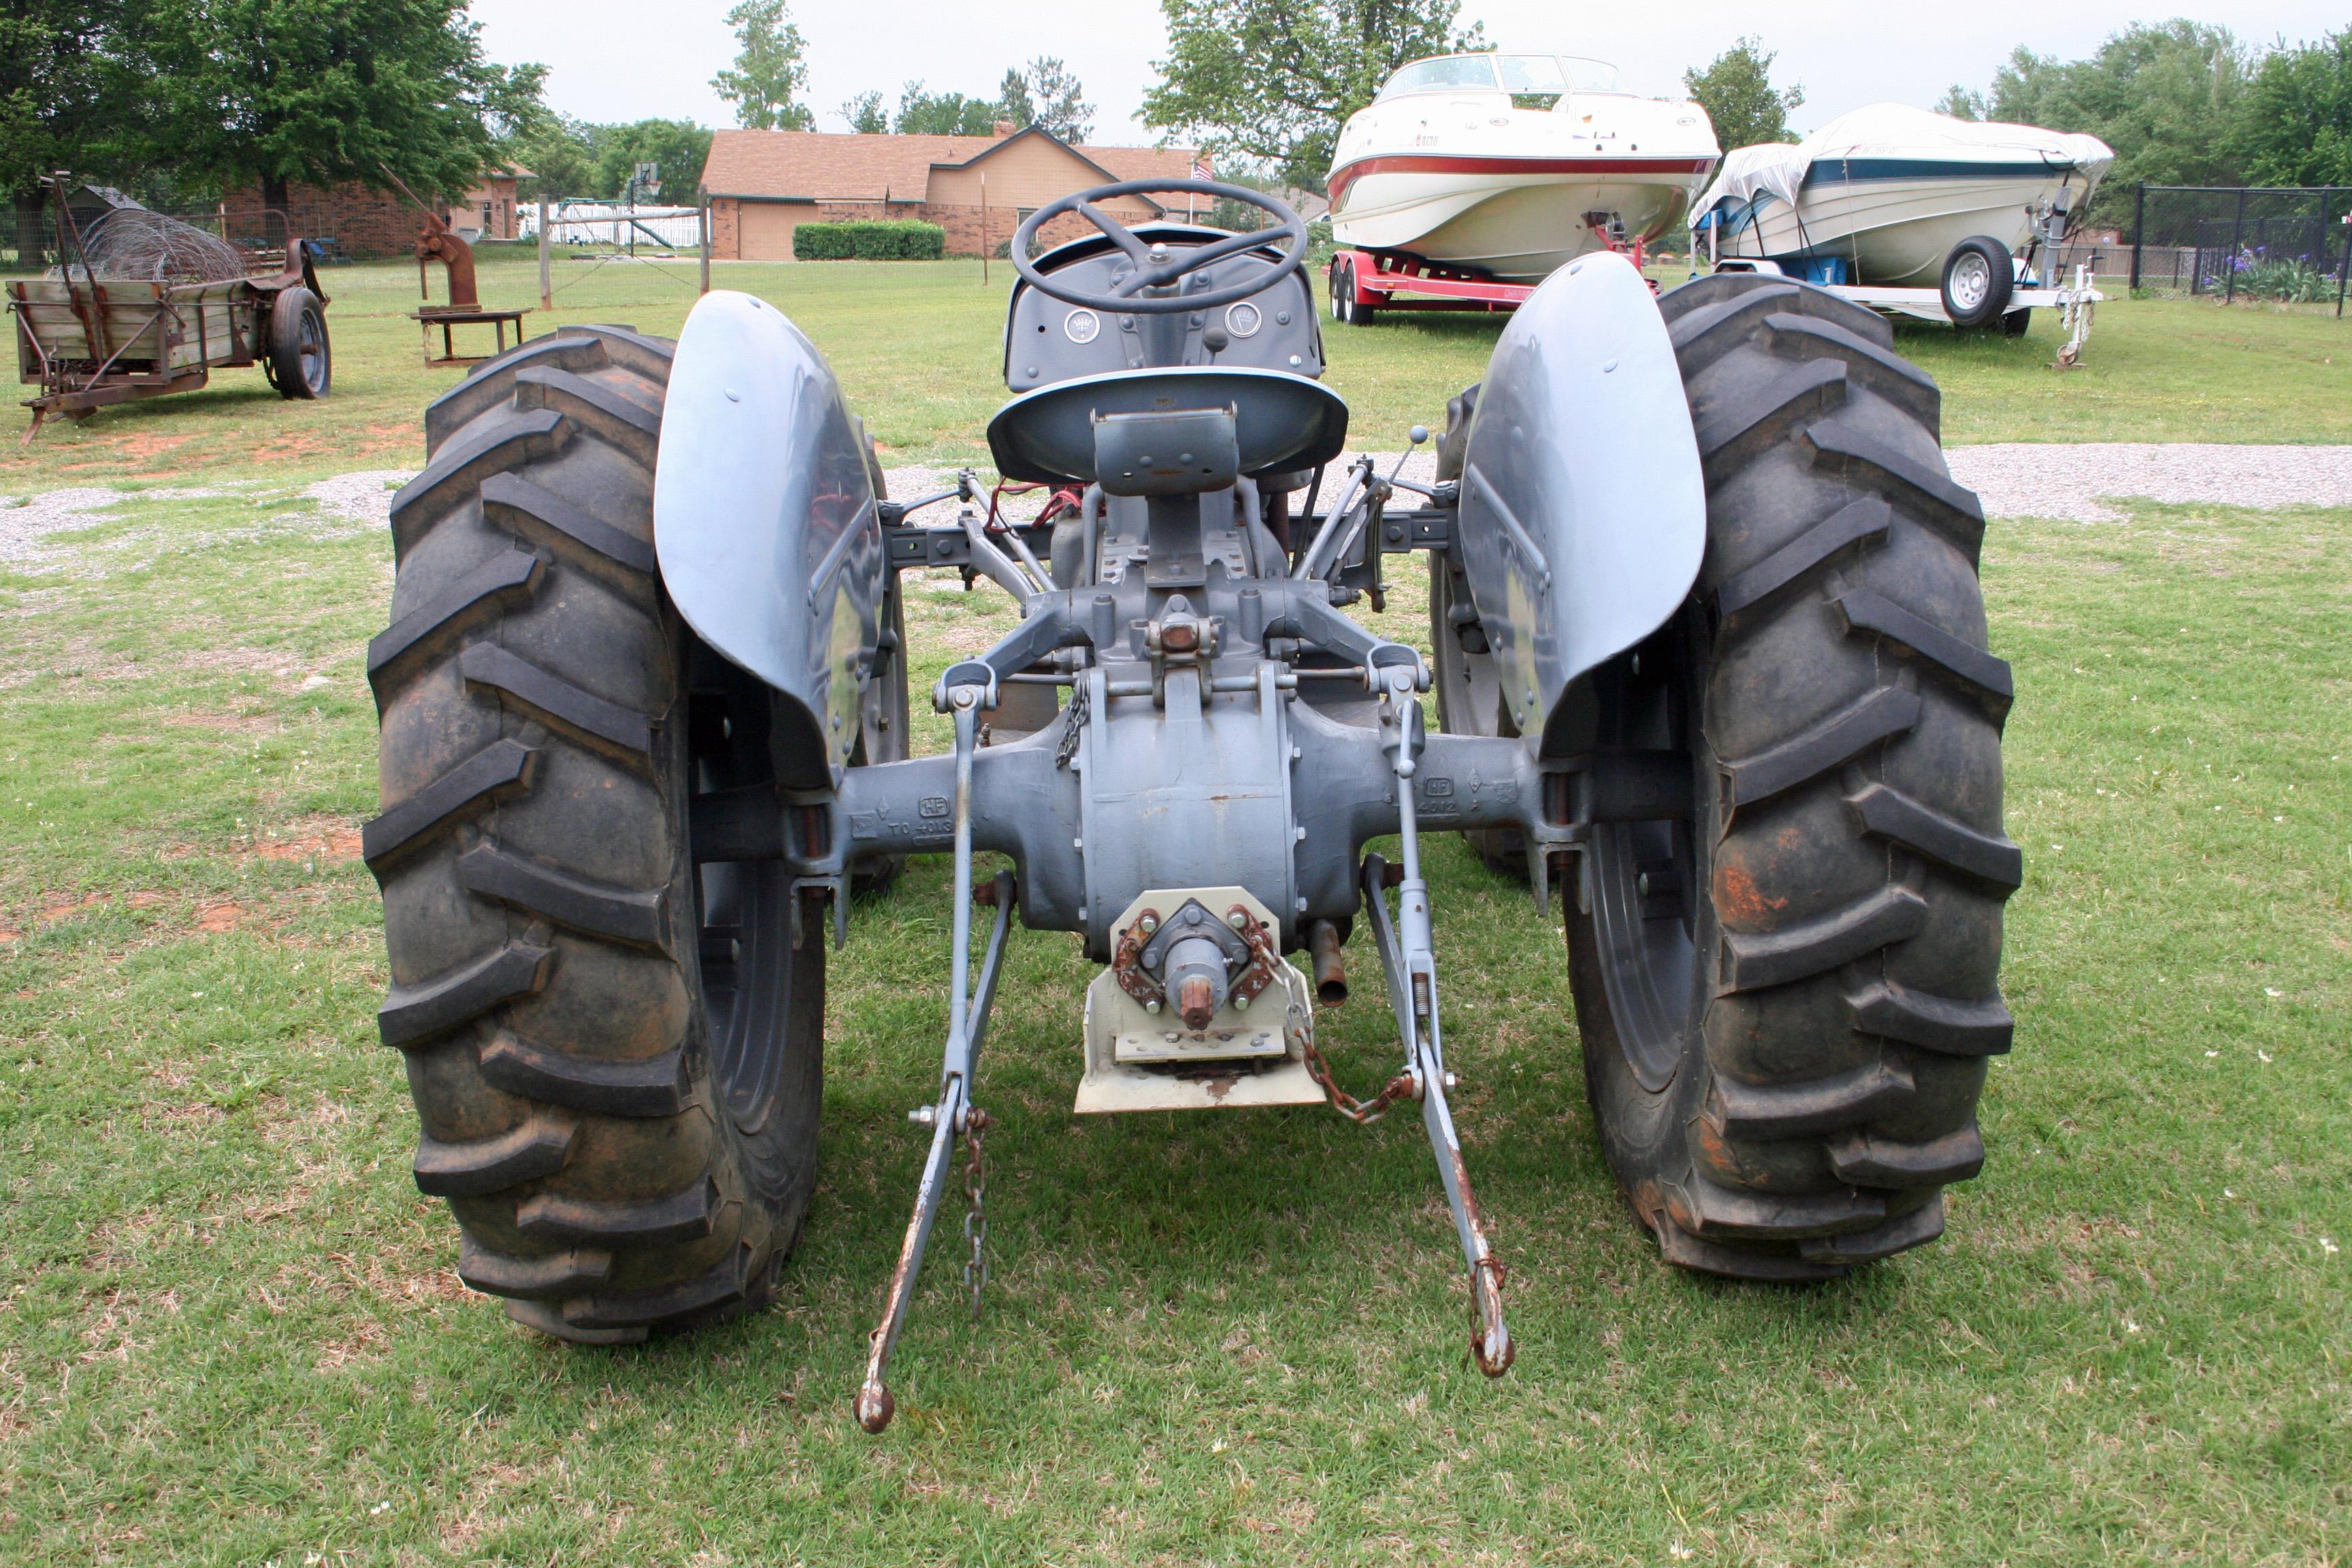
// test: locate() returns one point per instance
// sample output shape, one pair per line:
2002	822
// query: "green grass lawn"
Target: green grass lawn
917	346
231	1332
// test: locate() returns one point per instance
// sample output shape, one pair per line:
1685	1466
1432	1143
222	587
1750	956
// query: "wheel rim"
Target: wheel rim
314	351
1646	881
748	966
748	963
1972	282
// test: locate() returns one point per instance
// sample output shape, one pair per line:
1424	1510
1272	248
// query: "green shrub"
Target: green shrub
896	241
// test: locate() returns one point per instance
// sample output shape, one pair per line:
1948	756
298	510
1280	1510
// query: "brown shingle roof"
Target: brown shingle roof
826	166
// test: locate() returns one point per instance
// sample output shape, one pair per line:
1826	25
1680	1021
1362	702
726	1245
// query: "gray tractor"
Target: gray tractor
1708	667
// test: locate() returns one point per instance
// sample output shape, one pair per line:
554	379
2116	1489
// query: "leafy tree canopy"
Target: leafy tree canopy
2165	97
866	114
1048	96
582	161
2294	126
68	96
768	70
1737	91
1961	103
922	113
385	92
1268	83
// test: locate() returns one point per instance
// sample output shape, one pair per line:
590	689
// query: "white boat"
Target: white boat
1884	195
1508	166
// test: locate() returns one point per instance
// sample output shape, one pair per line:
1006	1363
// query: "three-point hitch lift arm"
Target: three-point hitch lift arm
1082	633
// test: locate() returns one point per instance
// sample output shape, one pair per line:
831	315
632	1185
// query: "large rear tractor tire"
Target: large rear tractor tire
616	1059
1788	997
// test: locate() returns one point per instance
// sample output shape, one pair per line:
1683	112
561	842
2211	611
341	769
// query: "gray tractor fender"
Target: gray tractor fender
765	523
1583	509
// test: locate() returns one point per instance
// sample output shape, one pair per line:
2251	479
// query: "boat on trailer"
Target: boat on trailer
1503	167
1890	196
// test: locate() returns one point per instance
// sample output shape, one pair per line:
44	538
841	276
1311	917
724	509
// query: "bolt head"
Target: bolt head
1241	1003
924	1116
1238	918
1152	1006
1147	924
1452	1080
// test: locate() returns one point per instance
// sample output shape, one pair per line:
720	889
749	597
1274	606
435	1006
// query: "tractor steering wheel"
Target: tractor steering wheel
1157	265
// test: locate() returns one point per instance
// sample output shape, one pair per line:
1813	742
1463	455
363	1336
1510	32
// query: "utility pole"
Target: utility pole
546	294
705	244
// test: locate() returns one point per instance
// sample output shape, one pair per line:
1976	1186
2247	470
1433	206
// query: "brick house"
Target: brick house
372	223
763	185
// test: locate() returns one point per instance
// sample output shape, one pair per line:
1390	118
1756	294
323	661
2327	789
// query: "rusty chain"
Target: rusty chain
1362	1111
975	1219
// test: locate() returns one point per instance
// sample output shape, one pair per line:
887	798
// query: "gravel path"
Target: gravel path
2025	478
2018	478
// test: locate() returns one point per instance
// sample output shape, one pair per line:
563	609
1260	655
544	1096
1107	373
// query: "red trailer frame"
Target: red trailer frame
1388	280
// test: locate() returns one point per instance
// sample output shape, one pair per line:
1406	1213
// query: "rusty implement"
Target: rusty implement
440	243
88	340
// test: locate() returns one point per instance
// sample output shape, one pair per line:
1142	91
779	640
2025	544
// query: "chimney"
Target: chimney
1003	128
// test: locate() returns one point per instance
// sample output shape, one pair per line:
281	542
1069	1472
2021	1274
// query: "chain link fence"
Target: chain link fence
2287	243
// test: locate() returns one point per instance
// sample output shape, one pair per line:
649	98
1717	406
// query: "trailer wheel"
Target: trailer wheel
301	361
1978	277
1787	996
1343	292
2015	324
615	1055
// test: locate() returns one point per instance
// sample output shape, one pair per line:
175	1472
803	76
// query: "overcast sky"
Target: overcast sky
623	59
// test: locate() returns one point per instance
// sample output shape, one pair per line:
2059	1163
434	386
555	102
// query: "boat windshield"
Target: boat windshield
1534	81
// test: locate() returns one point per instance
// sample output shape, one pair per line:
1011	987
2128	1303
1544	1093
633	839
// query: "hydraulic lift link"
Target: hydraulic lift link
1408	960
953	1115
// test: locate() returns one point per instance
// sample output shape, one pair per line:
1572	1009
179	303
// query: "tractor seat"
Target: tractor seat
1282	423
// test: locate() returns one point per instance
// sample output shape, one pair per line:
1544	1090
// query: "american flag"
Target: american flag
1201	170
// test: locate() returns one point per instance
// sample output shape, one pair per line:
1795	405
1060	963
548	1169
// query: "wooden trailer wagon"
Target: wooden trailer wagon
88	340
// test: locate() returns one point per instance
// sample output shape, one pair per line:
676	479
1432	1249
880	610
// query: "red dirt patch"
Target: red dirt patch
314	838
219	917
65	906
9	934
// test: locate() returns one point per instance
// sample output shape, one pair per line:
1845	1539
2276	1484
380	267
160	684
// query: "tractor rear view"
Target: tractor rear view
1708	667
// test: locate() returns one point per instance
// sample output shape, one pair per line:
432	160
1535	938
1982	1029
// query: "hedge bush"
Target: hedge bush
903	241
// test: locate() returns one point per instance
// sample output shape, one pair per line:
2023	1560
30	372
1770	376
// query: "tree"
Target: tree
385	92
561	153
1013	104
922	113
69	98
768	71
866	114
678	147
1961	103
2165	98
1737	91
1058	101
2294	125
1269	82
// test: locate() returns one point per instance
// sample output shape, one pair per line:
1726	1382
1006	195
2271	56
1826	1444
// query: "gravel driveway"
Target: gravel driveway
2018	478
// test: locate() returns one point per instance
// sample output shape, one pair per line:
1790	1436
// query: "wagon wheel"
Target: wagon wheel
300	361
